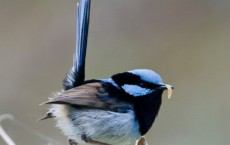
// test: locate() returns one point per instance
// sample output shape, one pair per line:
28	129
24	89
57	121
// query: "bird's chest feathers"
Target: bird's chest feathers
100	125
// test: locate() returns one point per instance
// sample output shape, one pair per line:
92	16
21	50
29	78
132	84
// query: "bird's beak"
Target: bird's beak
169	89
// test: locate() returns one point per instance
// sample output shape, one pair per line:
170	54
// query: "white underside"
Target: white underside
100	125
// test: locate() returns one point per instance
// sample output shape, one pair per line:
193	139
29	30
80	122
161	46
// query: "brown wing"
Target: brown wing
92	95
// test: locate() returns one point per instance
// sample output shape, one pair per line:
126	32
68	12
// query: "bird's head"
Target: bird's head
141	82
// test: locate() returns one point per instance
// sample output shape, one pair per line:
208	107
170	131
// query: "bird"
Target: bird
113	111
117	110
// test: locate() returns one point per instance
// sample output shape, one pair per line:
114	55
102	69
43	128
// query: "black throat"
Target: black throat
146	110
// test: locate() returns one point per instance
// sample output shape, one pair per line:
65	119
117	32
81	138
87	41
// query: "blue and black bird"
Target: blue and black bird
113	111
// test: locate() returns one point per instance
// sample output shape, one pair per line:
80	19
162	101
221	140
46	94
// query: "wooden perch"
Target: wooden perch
141	141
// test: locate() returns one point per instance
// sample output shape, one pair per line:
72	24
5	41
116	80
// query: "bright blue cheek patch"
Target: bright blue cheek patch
136	91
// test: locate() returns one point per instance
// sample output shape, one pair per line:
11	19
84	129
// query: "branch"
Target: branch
141	141
3	133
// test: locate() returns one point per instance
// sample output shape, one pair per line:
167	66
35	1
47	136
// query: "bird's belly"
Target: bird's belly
100	125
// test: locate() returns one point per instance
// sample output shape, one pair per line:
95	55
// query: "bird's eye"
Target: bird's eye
142	84
147	85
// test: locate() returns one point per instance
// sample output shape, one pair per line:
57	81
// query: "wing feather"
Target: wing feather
90	95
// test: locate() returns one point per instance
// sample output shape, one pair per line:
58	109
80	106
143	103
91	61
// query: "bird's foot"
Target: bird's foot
71	142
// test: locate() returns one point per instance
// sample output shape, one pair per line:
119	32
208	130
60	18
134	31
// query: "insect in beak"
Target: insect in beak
169	89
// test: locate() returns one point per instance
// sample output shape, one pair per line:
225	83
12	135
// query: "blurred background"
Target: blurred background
186	41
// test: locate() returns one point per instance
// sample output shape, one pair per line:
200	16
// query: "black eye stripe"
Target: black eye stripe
125	78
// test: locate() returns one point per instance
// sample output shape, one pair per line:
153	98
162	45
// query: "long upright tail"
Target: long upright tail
76	75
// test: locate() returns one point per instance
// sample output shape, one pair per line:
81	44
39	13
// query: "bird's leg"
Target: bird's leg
71	142
89	140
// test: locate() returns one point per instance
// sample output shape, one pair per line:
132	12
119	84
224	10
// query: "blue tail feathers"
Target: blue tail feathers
76	75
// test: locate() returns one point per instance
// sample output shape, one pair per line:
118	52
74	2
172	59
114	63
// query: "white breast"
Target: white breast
100	125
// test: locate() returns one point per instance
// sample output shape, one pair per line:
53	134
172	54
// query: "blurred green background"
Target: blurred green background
186	41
